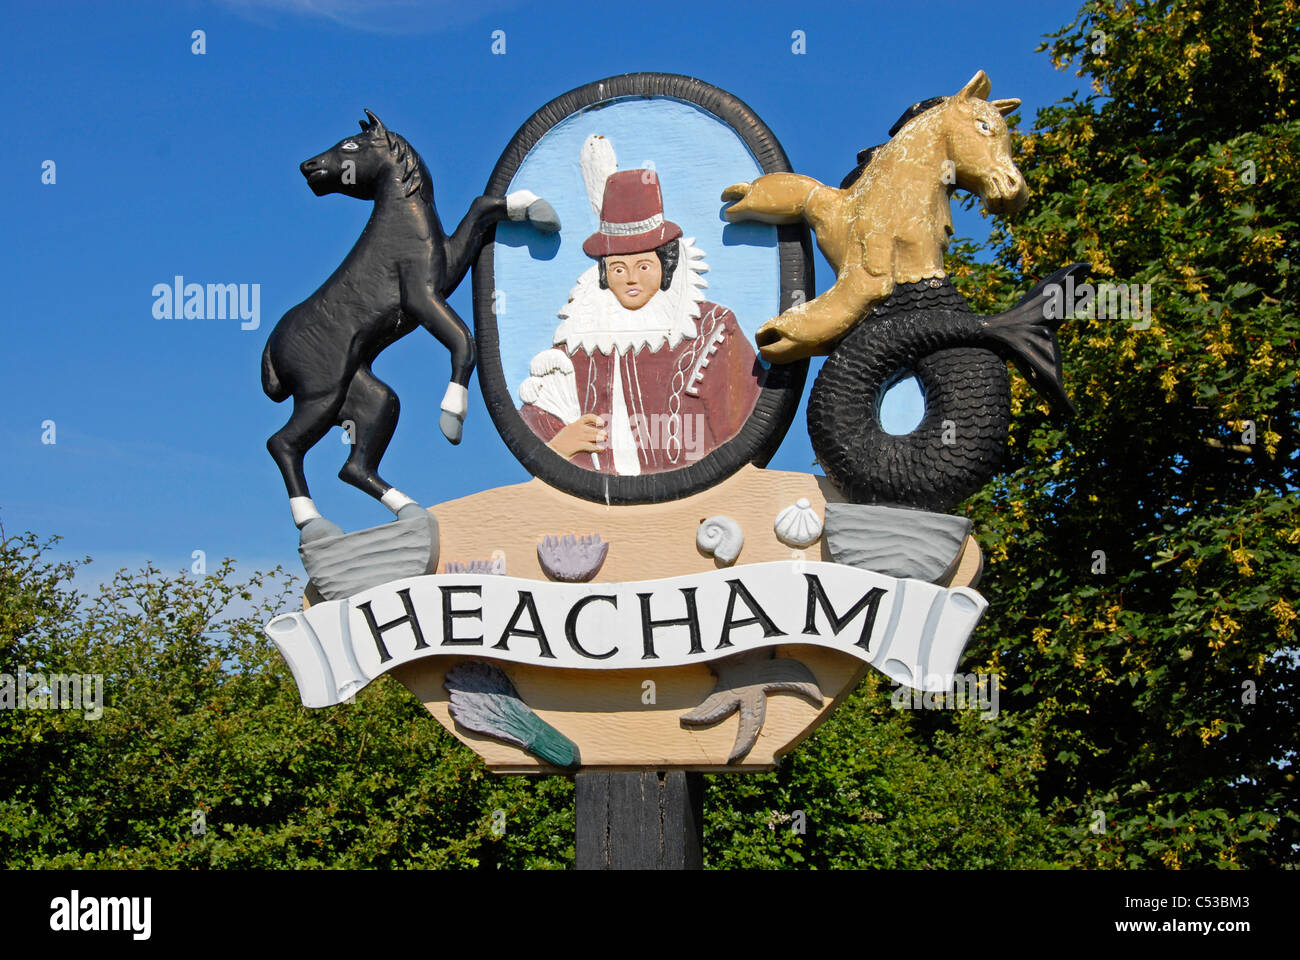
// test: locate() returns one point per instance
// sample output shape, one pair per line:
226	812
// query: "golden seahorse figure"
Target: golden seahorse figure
892	223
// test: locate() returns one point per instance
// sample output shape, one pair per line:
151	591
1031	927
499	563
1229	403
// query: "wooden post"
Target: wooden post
643	820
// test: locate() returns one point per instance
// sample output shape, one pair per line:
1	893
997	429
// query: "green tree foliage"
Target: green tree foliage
876	789
1165	686
204	756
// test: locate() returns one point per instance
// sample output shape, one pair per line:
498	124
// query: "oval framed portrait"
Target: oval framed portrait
617	356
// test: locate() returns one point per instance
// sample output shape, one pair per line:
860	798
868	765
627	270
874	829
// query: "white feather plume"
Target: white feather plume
598	162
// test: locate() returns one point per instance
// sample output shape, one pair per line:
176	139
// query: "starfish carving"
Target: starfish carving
744	681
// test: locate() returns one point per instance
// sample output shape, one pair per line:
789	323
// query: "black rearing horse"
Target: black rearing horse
396	277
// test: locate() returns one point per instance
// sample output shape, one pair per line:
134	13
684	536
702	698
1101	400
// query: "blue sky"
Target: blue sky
171	163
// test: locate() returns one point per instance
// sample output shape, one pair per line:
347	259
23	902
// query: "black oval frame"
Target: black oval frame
778	400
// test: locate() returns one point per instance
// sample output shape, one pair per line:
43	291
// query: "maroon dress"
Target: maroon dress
681	403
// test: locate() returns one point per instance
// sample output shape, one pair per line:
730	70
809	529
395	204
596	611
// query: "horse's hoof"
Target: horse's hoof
799	334
543	216
737	191
318	528
412	511
451	425
776	345
786	351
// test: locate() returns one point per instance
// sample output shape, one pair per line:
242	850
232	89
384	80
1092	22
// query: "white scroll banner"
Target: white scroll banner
912	631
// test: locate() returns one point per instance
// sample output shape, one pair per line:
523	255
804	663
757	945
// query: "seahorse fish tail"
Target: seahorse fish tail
1026	335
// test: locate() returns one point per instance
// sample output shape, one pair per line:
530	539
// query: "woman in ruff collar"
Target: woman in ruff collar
646	374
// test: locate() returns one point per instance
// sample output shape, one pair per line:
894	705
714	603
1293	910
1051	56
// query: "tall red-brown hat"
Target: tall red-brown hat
631	216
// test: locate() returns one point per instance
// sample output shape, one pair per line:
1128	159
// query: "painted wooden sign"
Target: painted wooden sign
653	598
671	711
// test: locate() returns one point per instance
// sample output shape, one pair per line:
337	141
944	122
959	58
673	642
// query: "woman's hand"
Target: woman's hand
584	435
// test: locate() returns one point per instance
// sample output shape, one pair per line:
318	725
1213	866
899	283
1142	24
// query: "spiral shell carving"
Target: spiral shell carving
798	525
720	537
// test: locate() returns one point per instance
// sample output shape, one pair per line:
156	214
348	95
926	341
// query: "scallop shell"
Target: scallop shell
720	537
571	558
798	525
493	567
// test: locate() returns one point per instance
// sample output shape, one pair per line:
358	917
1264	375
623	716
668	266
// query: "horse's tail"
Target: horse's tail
271	384
463	246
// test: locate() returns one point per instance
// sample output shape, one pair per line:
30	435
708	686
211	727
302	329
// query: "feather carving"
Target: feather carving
484	700
598	162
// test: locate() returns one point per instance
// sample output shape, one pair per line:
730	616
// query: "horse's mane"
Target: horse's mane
865	156
415	175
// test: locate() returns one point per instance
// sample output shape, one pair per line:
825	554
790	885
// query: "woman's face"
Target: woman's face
634	278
